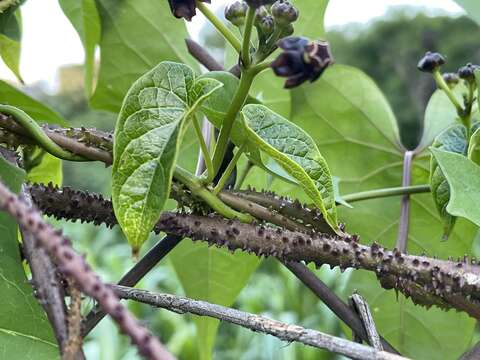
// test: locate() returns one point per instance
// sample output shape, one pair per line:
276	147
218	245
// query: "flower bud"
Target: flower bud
184	8
430	62
235	12
467	72
284	12
451	79
301	60
264	22
265	25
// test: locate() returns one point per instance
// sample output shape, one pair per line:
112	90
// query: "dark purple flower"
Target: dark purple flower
430	62
301	60
184	8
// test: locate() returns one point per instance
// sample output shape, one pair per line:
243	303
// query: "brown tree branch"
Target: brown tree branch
45	282
73	265
255	323
361	307
334	303
74	318
427	281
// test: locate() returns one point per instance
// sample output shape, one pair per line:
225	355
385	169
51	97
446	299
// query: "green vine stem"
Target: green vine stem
386	192
238	100
38	134
247	34
243	175
228	171
443	86
220	26
197	189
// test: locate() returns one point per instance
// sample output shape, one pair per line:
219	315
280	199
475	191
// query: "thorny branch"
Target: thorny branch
44	277
73	265
428	281
255	322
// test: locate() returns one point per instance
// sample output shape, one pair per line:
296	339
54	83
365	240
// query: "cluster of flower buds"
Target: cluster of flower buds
264	22
433	61
301	60
184	8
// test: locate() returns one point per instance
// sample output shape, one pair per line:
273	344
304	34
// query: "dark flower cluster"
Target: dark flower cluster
432	61
184	8
301	60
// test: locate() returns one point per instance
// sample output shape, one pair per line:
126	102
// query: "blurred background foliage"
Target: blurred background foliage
387	49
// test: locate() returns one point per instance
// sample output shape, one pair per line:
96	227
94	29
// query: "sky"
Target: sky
49	40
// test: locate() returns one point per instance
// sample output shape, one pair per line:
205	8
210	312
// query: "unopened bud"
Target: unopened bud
236	12
467	72
451	79
430	62
284	12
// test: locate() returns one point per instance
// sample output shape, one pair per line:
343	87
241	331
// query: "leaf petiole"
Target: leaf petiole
220	26
228	171
197	189
247	34
443	86
241	94
386	192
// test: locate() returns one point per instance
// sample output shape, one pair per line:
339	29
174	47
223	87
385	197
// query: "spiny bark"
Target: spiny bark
446	284
73	265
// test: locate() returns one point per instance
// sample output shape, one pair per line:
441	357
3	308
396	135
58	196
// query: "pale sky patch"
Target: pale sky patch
49	40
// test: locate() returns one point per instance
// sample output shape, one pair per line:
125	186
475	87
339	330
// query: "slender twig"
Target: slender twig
255	323
202	56
134	275
73	265
402	237
362	309
334	303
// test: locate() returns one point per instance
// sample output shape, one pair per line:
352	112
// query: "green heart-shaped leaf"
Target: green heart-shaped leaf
147	140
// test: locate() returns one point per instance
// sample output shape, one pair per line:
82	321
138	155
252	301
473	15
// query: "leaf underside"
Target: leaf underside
296	152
